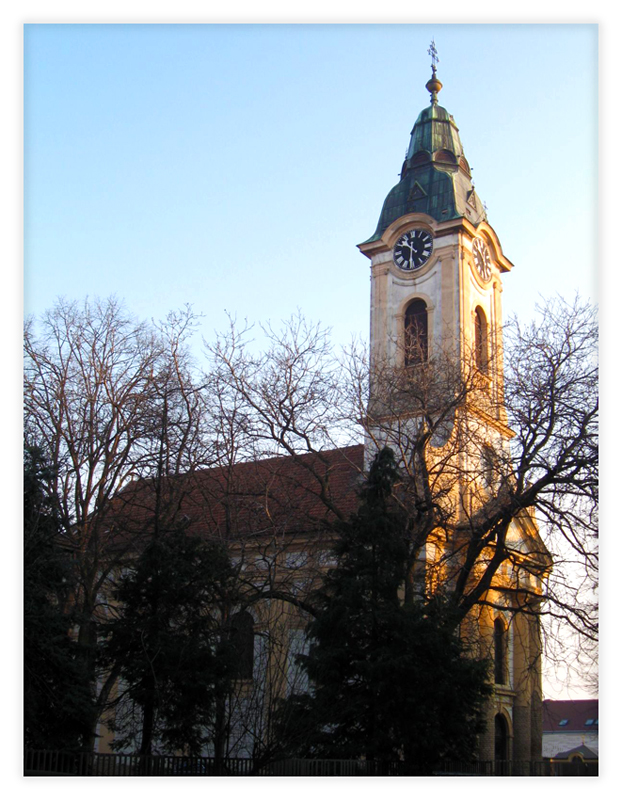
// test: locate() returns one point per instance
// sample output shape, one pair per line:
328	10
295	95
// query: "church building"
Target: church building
436	398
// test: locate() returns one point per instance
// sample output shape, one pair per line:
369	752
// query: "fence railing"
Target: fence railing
42	762
59	763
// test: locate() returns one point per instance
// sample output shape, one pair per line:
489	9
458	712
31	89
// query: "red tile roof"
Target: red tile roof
577	712
286	495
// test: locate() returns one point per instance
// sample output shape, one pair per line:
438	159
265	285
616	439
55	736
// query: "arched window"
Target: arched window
416	333
481	340
489	467
243	643
501	651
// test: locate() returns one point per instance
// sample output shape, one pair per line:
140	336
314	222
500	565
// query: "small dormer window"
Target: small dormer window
562	722
444	157
464	165
420	158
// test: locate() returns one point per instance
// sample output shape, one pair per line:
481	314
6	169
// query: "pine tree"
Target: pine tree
169	644
391	680
57	700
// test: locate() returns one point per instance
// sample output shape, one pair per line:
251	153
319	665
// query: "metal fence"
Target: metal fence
58	763
43	762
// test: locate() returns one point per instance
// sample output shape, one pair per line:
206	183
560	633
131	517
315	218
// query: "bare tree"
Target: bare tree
498	480
499	468
110	400
552	401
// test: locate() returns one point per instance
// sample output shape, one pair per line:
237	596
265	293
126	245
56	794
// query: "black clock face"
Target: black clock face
412	249
482	259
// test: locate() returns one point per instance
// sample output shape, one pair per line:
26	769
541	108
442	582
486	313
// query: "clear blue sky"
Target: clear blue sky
237	166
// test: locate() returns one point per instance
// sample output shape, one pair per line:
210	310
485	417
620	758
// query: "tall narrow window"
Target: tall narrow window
242	640
501	651
481	340
489	467
416	333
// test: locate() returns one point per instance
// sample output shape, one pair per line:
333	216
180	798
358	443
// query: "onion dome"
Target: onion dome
435	177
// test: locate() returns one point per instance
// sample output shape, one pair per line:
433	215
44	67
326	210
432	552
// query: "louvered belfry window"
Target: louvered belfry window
481	340
416	333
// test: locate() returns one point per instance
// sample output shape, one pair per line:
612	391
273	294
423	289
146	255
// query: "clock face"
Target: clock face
482	259
412	249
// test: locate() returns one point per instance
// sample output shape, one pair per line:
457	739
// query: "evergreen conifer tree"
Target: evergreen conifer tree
390	680
169	644
57	699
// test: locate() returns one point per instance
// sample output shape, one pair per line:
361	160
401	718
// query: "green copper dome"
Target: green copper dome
434	130
435	177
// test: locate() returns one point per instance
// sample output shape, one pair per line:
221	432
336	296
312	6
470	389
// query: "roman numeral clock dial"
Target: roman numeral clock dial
412	250
481	257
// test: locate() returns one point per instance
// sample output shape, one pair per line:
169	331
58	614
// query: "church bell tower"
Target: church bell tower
436	263
436	284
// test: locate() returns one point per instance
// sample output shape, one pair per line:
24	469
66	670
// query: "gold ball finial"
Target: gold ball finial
434	86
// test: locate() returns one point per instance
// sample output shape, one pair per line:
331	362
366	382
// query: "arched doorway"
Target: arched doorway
578	766
501	739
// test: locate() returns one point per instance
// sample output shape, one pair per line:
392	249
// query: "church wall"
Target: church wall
522	703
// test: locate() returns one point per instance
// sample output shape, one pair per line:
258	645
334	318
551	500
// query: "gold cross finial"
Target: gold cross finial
432	52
